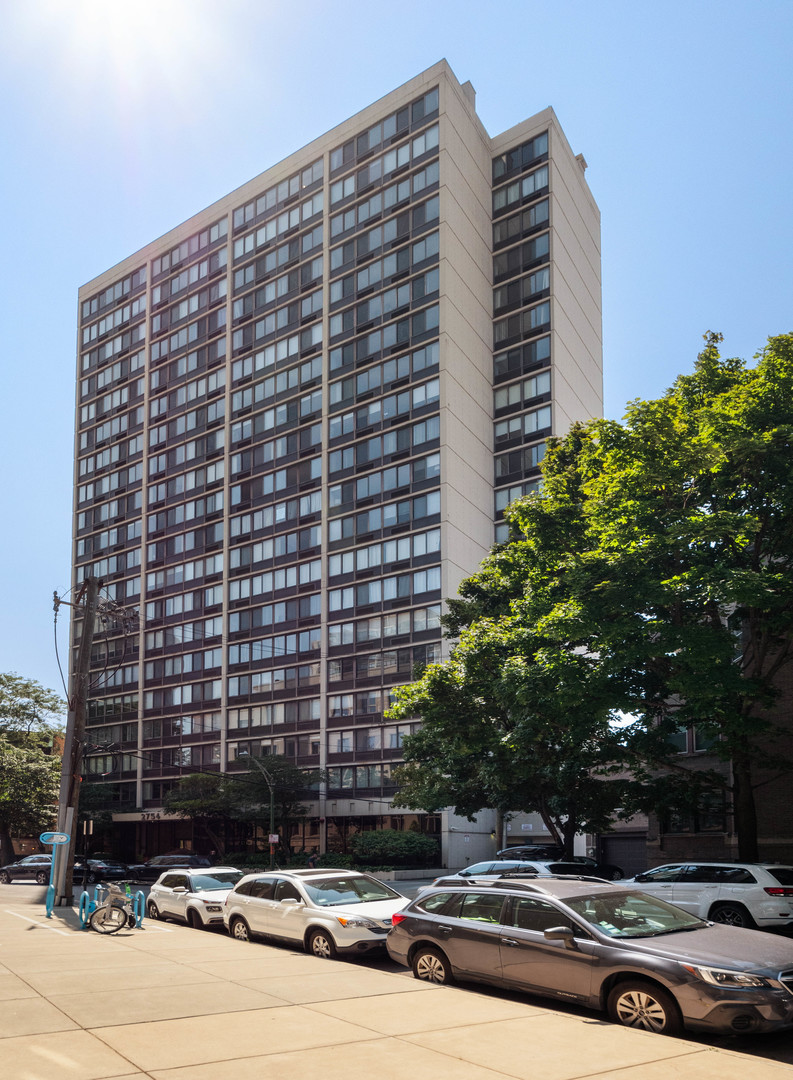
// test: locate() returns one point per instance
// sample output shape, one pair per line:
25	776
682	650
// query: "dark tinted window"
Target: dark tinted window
530	914
287	890
703	873
661	873
263	888
481	907
172	880
783	874
435	901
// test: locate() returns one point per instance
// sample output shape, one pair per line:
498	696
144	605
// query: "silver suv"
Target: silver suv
327	911
649	964
740	894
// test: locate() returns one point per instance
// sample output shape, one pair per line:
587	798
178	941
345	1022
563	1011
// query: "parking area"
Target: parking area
172	1003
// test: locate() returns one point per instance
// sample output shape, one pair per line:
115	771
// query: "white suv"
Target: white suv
192	896
740	894
327	911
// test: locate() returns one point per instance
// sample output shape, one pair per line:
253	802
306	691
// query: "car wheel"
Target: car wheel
321	944
194	920
645	1005
153	911
732	915
42	878
617	875
239	930
91	878
5	877
430	965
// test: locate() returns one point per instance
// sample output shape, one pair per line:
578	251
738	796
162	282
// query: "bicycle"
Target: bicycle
114	913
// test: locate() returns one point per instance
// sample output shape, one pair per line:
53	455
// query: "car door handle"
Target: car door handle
509	941
445	929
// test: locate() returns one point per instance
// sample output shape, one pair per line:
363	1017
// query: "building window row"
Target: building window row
522	257
272	581
273	547
122	369
381	590
169	318
184	572
190	276
188	249
381	482
383	627
522	427
193	480
183	664
274	648
384	201
188	364
514	327
189	335
304	710
520	157
393	126
114	293
274	680
270	200
114	319
390	515
121	343
532	219
276	514
282	611
385	553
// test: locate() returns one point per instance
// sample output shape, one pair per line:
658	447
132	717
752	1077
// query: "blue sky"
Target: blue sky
121	119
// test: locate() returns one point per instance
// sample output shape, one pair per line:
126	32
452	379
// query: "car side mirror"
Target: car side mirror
291	900
561	933
180	889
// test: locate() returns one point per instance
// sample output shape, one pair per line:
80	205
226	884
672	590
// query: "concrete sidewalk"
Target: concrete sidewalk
171	1003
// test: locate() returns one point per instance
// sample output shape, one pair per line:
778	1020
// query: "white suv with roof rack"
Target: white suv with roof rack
740	894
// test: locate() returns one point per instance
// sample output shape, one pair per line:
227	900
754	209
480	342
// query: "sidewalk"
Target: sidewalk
170	1003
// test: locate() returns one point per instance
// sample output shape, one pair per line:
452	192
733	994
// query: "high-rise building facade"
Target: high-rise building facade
300	416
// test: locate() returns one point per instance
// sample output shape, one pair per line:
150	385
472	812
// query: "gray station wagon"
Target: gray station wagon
646	962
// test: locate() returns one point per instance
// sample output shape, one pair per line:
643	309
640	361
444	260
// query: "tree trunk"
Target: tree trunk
744	809
6	847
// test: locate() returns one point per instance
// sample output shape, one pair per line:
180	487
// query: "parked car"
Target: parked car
327	911
104	869
741	894
193	896
582	864
531	851
549	853
647	963
151	870
39	867
496	868
36	867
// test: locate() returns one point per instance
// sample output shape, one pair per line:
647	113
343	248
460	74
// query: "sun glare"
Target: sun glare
130	46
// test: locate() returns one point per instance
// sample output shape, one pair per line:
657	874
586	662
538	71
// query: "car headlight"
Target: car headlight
735	980
356	920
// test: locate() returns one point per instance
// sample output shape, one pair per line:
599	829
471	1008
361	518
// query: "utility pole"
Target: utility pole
74	739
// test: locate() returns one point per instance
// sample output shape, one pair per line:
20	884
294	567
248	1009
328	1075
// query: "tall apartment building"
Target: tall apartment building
300	416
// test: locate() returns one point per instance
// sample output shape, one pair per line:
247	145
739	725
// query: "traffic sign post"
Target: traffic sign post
56	839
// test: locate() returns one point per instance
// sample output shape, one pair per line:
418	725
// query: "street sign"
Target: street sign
54	838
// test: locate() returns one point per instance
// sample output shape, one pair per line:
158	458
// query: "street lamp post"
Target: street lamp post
269	781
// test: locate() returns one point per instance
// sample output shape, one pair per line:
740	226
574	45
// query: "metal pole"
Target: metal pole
73	745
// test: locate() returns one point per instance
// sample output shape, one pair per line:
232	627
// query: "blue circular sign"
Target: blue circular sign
54	838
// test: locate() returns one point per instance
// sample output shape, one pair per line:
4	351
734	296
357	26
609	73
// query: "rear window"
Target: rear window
435	901
783	874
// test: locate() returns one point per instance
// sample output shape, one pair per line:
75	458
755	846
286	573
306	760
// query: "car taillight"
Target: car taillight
779	890
398	918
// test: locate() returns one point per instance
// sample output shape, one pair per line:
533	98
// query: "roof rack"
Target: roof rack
530	882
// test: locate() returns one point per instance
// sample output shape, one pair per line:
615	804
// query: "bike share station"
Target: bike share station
105	914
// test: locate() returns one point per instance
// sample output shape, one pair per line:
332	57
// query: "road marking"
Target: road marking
44	926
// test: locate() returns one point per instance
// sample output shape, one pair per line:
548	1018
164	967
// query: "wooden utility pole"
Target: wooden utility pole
74	739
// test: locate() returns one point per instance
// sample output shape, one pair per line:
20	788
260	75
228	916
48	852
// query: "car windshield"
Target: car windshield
223	879
632	914
347	890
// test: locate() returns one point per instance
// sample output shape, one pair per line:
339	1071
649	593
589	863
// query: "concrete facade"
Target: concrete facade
300	415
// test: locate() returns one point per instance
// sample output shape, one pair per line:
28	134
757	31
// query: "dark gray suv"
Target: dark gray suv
649	964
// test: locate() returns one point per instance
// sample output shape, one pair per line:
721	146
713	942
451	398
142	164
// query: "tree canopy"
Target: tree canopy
645	589
29	772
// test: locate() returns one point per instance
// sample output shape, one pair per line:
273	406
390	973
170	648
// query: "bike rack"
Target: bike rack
89	906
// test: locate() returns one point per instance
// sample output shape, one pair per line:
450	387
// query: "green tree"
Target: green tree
689	512
645	589
212	801
290	788
30	723
29	782
29	713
